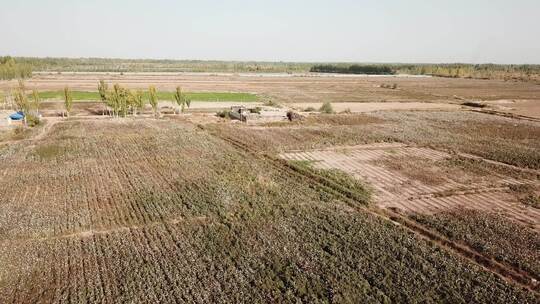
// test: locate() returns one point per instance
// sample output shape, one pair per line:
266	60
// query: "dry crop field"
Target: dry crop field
471	177
145	210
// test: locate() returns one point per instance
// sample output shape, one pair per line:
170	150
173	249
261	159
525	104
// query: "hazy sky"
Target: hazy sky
499	31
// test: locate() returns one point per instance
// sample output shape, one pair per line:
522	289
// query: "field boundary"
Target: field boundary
505	114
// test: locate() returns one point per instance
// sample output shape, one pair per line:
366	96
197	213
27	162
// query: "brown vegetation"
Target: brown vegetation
161	211
490	234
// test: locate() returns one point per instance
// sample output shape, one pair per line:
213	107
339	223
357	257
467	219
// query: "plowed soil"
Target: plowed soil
422	194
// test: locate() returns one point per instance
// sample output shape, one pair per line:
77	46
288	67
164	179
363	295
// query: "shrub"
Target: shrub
32	120
271	103
224	114
292	116
389	86
310	109
256	110
326	108
473	104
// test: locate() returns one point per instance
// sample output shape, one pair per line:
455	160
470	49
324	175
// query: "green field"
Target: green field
195	96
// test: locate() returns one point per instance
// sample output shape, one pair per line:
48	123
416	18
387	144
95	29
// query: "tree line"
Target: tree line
523	72
21	67
353	69
11	69
120	101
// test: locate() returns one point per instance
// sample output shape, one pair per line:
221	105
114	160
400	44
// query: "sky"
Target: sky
414	31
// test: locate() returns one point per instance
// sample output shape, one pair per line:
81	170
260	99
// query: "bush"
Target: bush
292	116
224	114
32	120
256	110
310	109
473	104
271	103
389	86
326	108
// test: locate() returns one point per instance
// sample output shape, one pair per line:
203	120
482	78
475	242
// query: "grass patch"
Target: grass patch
195	96
47	152
359	190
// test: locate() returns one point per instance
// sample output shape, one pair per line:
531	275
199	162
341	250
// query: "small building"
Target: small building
257	114
239	112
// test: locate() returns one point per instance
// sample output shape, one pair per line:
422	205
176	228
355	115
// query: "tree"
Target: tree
21	101
8	100
37	100
114	100
122	98
153	99
103	91
181	99
4	100
68	100
326	108
136	101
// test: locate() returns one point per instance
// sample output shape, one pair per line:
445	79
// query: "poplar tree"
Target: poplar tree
68	100
181	99
103	93
153	99
37	100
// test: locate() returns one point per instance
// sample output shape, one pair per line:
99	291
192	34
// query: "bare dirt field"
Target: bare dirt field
423	180
305	88
312	89
361	107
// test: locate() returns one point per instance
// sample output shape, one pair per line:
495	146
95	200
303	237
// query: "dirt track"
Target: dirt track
360	107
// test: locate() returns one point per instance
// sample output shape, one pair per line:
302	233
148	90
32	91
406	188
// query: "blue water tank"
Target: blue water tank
17	116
